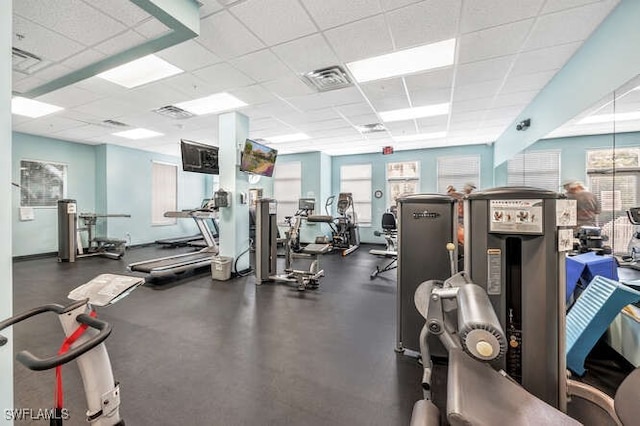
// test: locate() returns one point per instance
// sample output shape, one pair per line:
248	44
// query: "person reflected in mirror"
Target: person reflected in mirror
588	206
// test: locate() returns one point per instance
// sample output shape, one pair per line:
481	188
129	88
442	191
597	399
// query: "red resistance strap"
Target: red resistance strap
68	341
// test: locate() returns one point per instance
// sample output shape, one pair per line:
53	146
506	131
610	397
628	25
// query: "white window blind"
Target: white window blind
287	187
164	192
402	179
540	169
42	183
458	171
356	179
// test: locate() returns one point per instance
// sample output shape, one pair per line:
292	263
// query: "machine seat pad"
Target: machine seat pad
425	413
317	218
626	400
478	395
316	248
108	240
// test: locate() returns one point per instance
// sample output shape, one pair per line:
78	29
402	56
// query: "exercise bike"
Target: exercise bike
390	233
84	343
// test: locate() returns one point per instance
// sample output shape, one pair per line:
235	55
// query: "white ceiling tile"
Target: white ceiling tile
493	42
120	43
329	99
426	22
274	21
150	97
310	116
429	97
26	84
325	125
477	72
361	120
388	104
223	77
262	66
101	86
433	123
503	115
401	128
69	97
263	124
388	5
188	84
271	109
557	5
435	79
189	56
359	40
331	13
355	109
108	108
288	87
567	26
52	72
48	125
224	35
208	7
516	98
151	28
124	11
381	89
82	59
527	82
552	58
82	133
253	95
485	89
466	117
71	18
306	54
41	41
481	14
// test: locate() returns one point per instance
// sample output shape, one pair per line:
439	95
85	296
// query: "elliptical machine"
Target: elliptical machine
344	227
85	345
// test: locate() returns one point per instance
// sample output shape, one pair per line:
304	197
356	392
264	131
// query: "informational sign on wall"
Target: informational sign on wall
566	212
516	216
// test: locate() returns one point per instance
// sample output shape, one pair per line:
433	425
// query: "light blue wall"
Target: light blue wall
41	235
103	179
6	279
428	159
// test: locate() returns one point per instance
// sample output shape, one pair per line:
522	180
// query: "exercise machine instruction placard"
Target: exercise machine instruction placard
520	216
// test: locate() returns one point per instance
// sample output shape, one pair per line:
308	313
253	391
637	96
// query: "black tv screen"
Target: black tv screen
199	158
258	159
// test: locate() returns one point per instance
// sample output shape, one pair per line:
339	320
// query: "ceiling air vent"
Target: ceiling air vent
371	128
173	112
114	123
26	62
326	79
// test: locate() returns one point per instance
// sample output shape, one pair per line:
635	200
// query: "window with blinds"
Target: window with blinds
402	179
540	169
458	171
42	183
164	192
356	179
287	188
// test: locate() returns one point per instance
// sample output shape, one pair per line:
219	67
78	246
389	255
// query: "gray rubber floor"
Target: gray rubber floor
195	351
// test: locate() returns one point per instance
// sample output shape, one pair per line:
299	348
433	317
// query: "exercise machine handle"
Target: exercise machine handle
35	363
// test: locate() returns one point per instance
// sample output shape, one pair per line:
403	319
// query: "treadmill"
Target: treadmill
191	240
170	265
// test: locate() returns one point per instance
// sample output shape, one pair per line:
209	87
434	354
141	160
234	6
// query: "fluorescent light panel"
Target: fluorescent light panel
138	133
420	137
608	118
416	112
288	138
30	108
140	71
404	62
214	103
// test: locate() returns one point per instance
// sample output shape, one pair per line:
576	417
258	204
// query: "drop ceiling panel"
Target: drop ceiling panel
466	117
271	109
82	133
474	91
381	89
516	98
318	115
82	59
321	126
52	72
71	18
288	87
331	13
189	56
188	84
151	97
439	122
436	79
527	82
222	77
388	104
306	54
208	7
557	5
547	59
120	43
355	109
69	97
361	120
262	66
361	40
429	97
264	124
253	95
401	128
42	41
425	22
225	36
27	84
487	70
388	5
274	21
151	28
506	114
124	11
493	42
109	108
481	14
47	125
567	26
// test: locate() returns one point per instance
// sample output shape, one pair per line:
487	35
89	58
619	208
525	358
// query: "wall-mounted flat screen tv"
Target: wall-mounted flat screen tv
258	159
200	158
